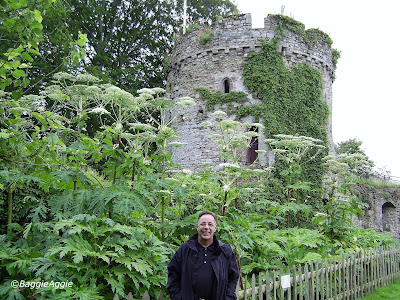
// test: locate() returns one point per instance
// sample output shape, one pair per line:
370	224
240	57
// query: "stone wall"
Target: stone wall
383	209
196	64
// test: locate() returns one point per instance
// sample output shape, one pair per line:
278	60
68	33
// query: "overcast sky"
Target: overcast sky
366	102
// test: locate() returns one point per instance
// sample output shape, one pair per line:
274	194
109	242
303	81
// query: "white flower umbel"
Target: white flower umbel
219	113
146	91
141	126
229	165
99	110
185	102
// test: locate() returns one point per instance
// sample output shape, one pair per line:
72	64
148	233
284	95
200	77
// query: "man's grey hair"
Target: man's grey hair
207	212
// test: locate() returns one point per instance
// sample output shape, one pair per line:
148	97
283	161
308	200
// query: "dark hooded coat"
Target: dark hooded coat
182	271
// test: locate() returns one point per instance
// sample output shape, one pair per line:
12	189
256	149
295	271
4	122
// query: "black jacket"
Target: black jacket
184	264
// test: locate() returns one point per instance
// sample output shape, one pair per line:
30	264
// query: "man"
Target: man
203	267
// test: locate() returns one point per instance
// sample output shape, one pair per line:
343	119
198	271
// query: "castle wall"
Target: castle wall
383	211
207	65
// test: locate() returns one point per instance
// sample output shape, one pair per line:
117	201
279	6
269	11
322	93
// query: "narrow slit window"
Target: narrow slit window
227	86
251	151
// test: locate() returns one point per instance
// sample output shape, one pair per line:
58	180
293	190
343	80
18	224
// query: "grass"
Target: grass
390	292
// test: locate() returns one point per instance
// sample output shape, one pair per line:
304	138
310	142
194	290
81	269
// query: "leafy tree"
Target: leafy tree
205	11
128	40
34	47
363	166
20	33
59	49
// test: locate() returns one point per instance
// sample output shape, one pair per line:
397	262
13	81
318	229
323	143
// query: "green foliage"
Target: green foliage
137	200
291	102
310	36
207	12
129	50
204	38
100	256
292	97
231	138
34	44
53	152
362	166
290	152
221	98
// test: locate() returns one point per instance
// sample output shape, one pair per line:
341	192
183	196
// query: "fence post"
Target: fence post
335	277
282	292
160	296
316	280
267	285
253	287
146	296
245	287
312	294
307	282
339	278
301	282
290	289
294	282
328	283
322	279
344	281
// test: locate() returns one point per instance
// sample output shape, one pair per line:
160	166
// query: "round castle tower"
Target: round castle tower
217	65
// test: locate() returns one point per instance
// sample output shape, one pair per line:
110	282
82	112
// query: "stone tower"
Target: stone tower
218	64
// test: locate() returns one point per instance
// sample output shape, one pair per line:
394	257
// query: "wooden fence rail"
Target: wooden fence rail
346	277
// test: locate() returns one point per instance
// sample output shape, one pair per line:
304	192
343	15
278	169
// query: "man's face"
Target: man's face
206	227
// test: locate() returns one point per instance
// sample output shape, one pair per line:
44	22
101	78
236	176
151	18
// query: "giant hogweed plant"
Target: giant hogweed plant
122	143
98	255
340	203
232	139
84	125
293	152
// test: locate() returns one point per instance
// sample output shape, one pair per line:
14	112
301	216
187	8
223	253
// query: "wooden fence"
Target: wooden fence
344	277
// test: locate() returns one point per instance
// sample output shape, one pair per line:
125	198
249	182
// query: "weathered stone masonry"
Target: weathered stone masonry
219	62
383	212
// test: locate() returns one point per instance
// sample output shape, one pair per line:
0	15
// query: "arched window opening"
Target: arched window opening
226	86
251	151
389	220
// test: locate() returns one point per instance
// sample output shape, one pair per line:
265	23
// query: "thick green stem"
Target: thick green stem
133	172
10	204
224	205
162	217
287	213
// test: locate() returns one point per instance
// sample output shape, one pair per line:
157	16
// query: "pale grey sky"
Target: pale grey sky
366	102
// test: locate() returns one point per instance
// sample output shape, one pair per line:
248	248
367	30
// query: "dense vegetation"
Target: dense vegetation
92	196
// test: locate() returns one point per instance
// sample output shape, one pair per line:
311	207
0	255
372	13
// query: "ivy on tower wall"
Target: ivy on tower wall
291	101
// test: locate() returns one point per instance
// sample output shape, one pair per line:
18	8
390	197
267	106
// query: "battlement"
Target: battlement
234	36
235	21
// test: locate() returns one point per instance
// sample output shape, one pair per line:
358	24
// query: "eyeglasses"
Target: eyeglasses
204	224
